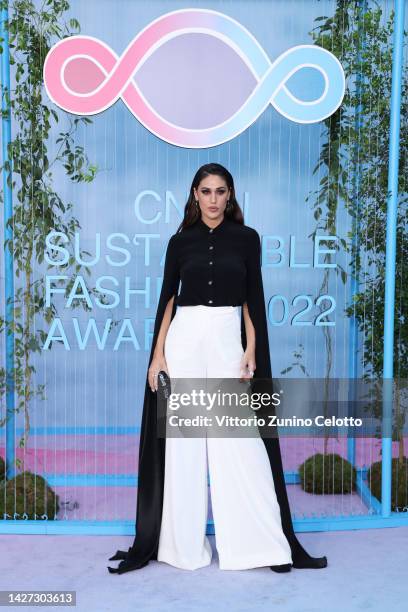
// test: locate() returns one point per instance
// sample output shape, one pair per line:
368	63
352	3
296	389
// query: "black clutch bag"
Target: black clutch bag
164	387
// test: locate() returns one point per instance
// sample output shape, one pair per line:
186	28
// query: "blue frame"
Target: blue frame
355	281
8	257
392	206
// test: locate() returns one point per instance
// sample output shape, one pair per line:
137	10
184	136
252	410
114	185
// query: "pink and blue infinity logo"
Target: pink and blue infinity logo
110	77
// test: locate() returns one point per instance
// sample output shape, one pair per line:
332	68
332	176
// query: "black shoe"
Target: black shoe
286	567
127	566
310	563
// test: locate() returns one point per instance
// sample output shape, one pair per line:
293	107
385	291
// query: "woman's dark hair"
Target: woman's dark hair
192	212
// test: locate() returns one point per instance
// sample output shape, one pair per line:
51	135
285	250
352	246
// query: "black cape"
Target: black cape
152	448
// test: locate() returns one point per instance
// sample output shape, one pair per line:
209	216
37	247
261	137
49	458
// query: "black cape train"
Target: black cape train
152	447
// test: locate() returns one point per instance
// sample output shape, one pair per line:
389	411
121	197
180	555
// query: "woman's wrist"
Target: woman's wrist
158	353
250	346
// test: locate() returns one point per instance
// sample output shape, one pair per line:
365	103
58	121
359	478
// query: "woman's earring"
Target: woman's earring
229	205
196	202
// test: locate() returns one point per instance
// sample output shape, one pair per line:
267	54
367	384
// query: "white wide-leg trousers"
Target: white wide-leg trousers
205	342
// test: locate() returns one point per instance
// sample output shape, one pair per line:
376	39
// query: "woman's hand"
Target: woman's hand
158	363
248	364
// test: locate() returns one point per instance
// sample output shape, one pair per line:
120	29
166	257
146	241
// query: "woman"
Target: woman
197	334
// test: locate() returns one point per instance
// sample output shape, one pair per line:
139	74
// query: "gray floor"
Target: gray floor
367	570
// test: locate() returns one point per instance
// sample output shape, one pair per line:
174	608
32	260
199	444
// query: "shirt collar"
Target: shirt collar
212	230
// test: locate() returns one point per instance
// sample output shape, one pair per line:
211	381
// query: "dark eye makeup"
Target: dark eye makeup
221	190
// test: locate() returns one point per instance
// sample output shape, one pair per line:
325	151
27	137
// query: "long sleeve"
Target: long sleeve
170	284
256	307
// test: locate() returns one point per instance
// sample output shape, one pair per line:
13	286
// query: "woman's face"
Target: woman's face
212	195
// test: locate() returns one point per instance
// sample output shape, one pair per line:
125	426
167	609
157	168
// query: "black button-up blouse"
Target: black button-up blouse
217	267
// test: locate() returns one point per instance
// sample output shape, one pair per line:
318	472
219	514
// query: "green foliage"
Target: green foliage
353	167
327	474
399	486
29	496
298	355
38	208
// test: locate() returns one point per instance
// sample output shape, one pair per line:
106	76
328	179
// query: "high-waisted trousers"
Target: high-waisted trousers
205	342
